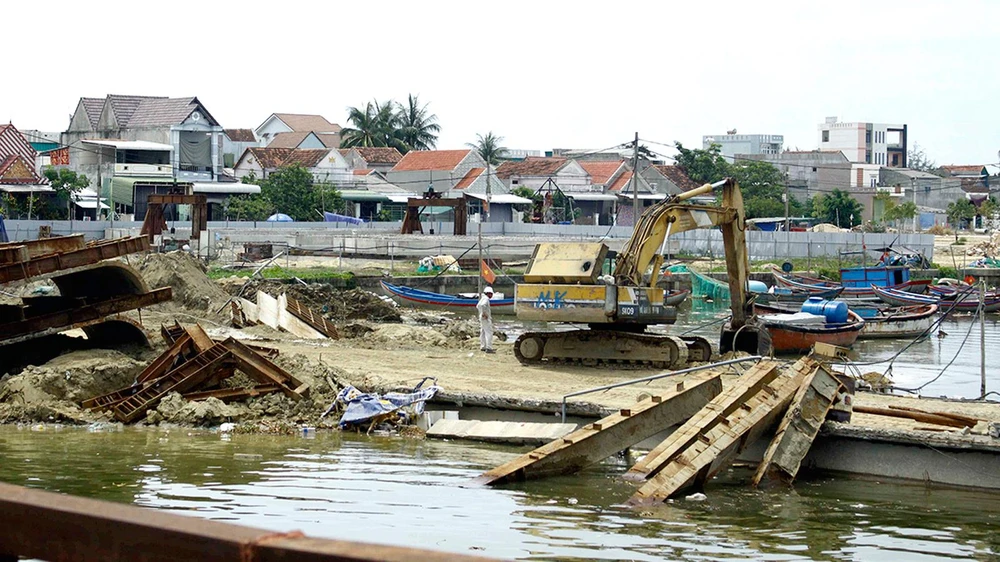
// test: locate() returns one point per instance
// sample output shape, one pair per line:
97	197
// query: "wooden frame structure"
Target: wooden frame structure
154	223
411	221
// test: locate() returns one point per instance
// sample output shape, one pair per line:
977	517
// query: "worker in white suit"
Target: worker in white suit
485	320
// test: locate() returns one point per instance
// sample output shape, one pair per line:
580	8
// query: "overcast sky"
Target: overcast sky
541	74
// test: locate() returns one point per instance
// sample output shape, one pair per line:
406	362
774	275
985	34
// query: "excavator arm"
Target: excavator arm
639	261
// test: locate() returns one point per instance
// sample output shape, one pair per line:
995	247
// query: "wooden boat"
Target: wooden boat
785	295
856	294
797	333
418	298
897	322
675	297
968	303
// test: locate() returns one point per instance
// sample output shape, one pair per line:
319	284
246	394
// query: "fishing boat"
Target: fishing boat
785	295
969	303
675	297
896	321
798	332
850	293
418	298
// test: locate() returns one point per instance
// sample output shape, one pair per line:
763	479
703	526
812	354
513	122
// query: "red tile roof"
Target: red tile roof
532	166
269	157
419	160
621	181
363	172
600	170
240	135
306	157
301	122
379	154
961	170
469	178
13	142
16	169
677	176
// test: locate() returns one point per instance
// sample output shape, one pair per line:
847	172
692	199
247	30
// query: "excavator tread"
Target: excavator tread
611	347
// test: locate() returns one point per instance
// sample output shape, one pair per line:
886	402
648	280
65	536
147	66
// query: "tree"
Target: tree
902	212
763	187
960	211
703	166
376	125
988	210
418	127
838	207
489	147
248	207
917	159
290	191
529	208
65	182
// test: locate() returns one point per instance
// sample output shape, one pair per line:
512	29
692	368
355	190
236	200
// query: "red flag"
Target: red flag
486	273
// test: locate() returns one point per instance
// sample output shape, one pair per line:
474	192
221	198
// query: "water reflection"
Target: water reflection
419	493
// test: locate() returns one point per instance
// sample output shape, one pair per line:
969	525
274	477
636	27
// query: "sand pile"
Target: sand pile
186	276
403	335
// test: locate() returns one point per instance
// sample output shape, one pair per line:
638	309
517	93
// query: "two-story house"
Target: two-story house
326	134
326	165
19	177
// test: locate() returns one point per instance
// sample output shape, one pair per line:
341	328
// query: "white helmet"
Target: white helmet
488	289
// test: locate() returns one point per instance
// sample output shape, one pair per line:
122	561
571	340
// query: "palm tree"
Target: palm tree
375	126
417	127
489	148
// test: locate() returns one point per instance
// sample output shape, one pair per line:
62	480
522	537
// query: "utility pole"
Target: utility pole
787	228
913	188
982	338
635	180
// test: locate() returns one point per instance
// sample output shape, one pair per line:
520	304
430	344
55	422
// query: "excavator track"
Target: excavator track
592	347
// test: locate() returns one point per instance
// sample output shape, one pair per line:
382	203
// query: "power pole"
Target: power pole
635	180
786	208
913	188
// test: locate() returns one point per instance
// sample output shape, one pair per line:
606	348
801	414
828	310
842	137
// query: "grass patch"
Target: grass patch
277	272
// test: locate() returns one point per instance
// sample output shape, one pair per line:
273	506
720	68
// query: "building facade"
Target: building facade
878	144
732	144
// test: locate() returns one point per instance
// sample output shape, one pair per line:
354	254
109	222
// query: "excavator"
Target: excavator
565	283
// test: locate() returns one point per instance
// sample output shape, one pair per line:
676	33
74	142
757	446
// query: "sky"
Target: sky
543	74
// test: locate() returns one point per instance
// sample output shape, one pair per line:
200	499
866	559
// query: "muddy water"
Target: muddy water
418	493
945	364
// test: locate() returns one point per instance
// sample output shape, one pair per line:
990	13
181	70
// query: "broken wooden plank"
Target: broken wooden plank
923	417
692	461
291	324
798	428
617	432
714	412
967	420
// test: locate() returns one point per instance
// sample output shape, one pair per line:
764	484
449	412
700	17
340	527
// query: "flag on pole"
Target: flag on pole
486	273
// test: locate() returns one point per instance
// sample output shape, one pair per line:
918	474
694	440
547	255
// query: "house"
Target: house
234	144
669	180
733	143
975	180
278	123
378	158
118	141
305	139
456	173
19	176
325	164
614	177
810	172
924	189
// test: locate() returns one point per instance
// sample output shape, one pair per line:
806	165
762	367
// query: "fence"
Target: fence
503	240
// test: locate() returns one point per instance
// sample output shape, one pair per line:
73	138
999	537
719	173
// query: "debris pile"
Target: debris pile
186	275
196	367
336	305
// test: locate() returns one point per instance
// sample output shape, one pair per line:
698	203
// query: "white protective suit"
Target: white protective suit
485	321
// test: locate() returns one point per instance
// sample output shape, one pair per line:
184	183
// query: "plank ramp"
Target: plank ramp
798	428
499	431
599	440
710	440
310	317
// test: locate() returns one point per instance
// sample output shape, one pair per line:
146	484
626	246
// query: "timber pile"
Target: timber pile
198	367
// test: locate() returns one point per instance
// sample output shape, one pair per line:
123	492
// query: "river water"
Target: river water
419	493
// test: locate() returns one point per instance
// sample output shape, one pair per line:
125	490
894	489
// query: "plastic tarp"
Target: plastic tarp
361	408
334	217
3	231
280	217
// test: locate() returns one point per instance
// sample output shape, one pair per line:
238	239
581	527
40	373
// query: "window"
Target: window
514	182
826	136
868	137
814	168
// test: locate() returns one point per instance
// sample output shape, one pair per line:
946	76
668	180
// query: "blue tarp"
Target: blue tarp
334	217
280	217
3	231
364	408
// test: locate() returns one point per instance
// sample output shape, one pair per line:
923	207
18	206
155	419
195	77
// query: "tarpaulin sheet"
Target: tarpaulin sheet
361	407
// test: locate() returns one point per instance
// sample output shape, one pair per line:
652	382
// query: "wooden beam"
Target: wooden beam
617	432
920	416
49	263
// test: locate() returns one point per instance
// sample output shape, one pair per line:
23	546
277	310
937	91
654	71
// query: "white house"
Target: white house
278	123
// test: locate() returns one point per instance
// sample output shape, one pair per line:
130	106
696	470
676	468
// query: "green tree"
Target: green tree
988	210
418	127
917	159
703	166
959	212
763	187
375	125
528	208
489	147
65	182
327	198
290	191
838	207
902	212
254	207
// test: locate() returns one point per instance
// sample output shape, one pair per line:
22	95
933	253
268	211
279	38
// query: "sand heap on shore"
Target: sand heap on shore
182	272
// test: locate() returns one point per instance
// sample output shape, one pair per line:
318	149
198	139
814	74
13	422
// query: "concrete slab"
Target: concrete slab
519	433
267	310
293	325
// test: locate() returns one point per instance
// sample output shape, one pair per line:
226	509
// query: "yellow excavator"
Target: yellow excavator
564	284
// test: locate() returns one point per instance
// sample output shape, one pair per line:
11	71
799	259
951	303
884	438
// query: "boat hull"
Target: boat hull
901	322
969	303
800	338
427	300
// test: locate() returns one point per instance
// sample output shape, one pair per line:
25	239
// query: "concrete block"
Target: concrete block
499	432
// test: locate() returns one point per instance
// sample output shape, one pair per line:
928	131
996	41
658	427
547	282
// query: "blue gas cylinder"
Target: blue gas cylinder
835	312
756	286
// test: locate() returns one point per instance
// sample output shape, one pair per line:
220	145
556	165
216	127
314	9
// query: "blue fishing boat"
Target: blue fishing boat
418	298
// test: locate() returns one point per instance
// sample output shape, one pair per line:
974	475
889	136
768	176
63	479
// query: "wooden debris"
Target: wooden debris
313	319
917	415
703	445
595	442
799	427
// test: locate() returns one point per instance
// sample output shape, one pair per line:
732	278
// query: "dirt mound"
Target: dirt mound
53	390
186	276
335	304
401	334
